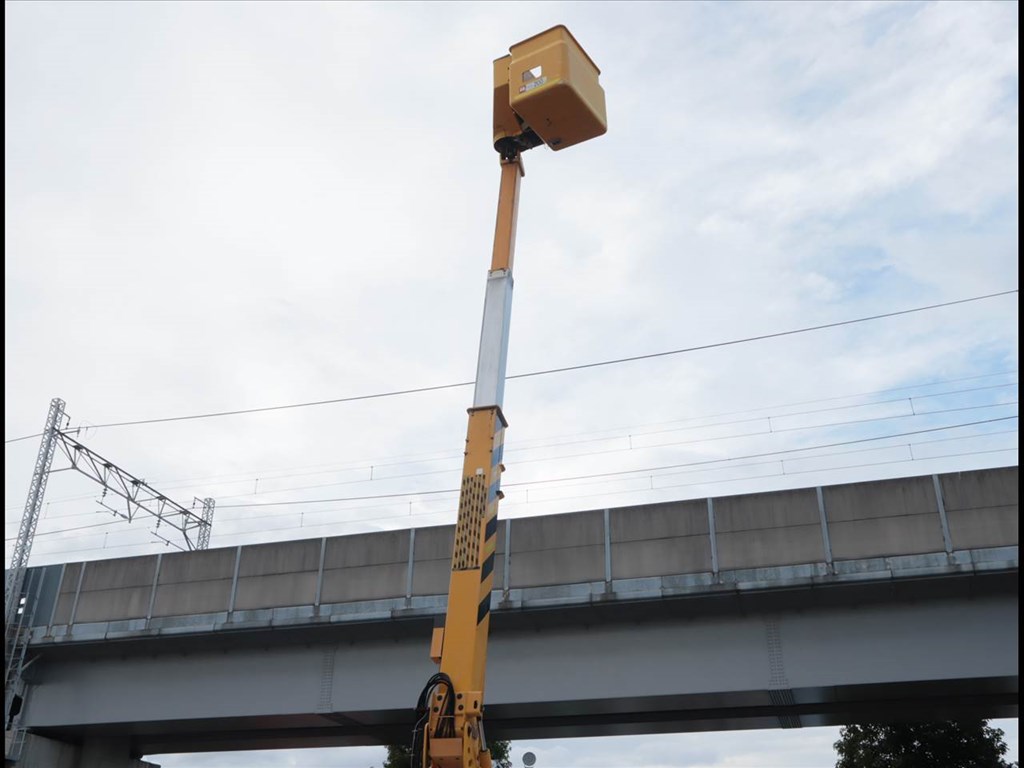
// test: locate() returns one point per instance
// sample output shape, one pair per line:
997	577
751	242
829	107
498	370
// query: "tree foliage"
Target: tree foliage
958	744
399	755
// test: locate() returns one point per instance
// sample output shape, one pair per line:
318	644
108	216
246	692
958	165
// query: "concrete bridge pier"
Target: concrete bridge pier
94	752
109	752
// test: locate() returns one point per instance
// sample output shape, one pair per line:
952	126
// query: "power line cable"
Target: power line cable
516	447
765	454
696	466
727	462
546	372
620	472
614	450
728	465
68	530
809	402
819	426
232	535
631	447
782	473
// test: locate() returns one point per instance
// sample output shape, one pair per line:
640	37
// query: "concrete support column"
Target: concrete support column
40	752
412	563
78	591
152	591
234	583
508	556
711	534
56	601
947	540
607	551
320	575
826	542
108	752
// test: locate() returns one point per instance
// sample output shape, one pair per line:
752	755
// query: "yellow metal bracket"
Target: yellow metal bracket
436	644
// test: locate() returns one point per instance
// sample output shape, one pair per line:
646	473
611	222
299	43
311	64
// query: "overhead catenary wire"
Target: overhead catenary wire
629	449
627	471
517	444
782	473
636	448
831	398
548	371
727	463
515	447
234	535
512	504
69	530
721	460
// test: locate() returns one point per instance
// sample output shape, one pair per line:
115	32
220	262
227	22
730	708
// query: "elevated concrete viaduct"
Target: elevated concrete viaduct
880	600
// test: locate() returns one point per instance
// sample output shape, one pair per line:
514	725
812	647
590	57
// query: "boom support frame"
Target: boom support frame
449	732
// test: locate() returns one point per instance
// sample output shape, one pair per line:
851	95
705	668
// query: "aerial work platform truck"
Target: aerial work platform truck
546	91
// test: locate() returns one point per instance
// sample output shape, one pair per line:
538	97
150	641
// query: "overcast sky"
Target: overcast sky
222	206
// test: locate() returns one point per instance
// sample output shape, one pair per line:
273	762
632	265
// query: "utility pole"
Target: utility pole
137	496
30	517
16	618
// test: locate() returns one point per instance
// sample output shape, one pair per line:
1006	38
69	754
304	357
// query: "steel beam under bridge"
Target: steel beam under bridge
932	648
816	606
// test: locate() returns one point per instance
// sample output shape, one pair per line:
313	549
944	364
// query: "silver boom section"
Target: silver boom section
493	357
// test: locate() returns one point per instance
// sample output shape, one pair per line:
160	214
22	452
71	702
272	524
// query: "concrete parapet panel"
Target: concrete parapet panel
499	556
123	572
886	536
44	584
433	559
180	599
557	549
276	590
563	565
778	509
432	577
368	582
980	528
198	566
880	498
367	549
577	529
659	521
433	565
790	545
70	581
113	604
662	556
499	547
66	593
435	543
982	507
65	601
280	557
981	489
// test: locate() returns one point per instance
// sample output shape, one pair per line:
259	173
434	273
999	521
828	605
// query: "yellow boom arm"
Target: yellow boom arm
453	733
545	91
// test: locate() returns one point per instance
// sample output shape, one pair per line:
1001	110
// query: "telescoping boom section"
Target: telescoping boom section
546	91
